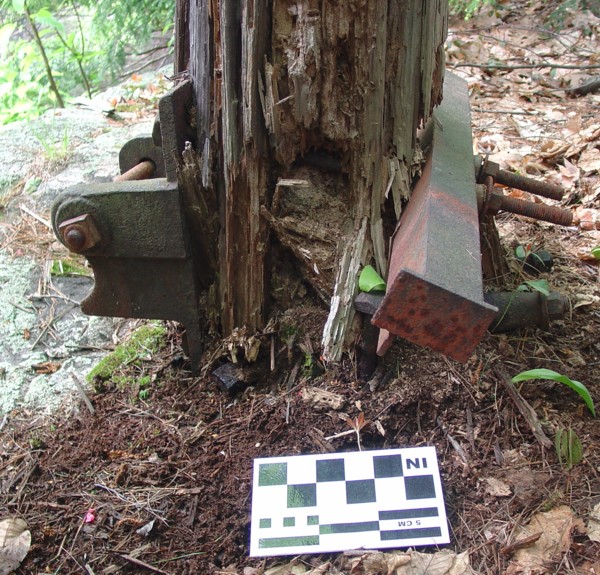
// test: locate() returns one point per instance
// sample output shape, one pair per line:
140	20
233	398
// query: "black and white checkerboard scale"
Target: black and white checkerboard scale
371	499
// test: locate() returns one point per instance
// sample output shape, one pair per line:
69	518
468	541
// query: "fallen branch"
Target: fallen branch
524	66
141	564
526	410
587	88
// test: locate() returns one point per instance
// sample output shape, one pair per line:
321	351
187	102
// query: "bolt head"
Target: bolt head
74	238
80	233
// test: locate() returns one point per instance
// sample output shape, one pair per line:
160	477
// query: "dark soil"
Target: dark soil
182	456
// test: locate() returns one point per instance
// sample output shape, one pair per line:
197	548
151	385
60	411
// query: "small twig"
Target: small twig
587	88
470	432
140	563
84	395
524	66
457	446
272	352
49	325
520	544
34	310
290	384
526	410
35	216
510	112
341	434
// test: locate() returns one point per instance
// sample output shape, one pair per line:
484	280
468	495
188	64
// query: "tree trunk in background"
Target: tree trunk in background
307	113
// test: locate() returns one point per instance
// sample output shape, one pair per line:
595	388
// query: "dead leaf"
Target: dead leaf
591	133
551	149
573	357
556	526
46	367
593	526
496	488
582	300
15	541
289	569
589	161
443	562
569	174
145	530
321	399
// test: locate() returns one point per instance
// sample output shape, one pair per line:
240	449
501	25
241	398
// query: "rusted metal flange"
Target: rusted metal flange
435	287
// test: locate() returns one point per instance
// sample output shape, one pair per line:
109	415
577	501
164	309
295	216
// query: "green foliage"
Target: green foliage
53	50
467	8
370	281
541	286
568	447
69	267
576	386
143	342
596	252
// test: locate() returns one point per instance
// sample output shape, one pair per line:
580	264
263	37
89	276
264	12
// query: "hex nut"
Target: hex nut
557	305
80	233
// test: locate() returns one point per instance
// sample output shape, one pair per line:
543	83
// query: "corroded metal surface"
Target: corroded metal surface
138	150
485	168
140	252
434	292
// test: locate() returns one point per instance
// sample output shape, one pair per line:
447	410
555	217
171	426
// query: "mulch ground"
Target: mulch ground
165	481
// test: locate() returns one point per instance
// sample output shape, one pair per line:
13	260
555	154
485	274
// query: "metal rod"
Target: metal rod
530	185
143	171
543	212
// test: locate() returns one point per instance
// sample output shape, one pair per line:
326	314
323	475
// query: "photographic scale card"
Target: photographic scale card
389	498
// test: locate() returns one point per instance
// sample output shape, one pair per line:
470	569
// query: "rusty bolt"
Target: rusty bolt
494	201
79	234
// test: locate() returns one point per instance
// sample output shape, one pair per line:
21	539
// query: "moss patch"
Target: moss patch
143	342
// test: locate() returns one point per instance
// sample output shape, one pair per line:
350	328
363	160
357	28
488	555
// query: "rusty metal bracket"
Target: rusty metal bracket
135	237
138	150
435	287
175	113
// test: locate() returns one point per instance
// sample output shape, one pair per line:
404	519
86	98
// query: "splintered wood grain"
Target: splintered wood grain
279	83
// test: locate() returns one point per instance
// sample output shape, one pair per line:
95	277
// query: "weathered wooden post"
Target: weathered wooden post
287	94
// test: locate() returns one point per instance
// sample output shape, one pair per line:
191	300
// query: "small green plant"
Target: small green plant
596	252
357	424
69	267
55	151
468	8
568	447
541	286
576	386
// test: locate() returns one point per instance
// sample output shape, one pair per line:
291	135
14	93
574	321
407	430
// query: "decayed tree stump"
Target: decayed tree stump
313	103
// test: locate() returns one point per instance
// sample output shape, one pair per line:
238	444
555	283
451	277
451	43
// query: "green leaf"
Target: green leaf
46	18
18	6
568	447
370	281
539	285
596	252
521	253
576	386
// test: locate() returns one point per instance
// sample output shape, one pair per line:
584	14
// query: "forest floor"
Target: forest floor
155	475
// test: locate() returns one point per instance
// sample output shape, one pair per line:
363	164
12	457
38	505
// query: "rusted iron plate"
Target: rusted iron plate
140	254
138	150
175	116
434	292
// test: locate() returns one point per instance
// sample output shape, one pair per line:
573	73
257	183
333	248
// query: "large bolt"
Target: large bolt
491	202
80	233
485	168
